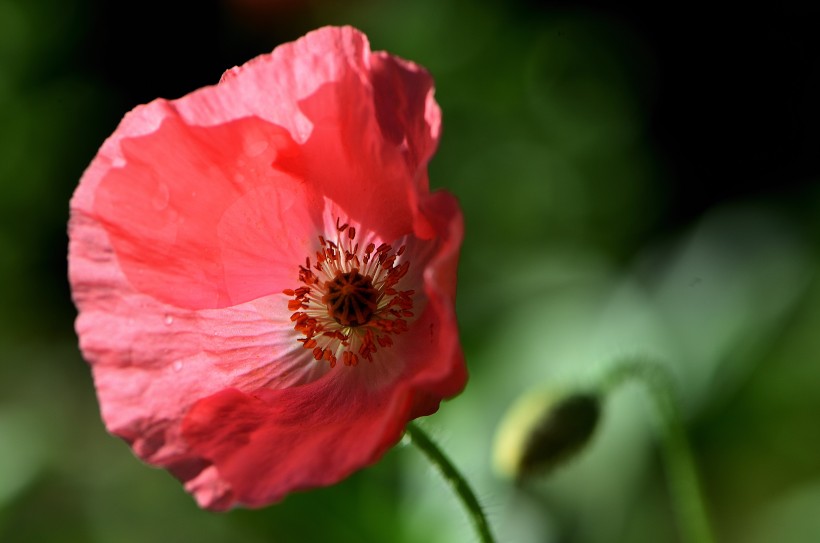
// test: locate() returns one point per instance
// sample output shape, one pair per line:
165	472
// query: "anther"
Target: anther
347	302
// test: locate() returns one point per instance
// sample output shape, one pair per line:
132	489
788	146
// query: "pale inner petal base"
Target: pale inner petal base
349	304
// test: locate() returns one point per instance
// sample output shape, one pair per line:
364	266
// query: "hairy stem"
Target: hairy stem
684	484
435	455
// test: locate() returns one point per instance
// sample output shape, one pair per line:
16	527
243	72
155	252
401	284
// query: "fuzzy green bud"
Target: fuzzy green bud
542	430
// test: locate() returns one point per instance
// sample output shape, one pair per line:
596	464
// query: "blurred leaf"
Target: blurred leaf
22	452
725	291
791	518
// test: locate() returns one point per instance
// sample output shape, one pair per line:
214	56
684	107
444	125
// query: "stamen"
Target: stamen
349	299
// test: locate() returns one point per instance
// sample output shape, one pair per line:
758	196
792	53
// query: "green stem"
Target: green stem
684	486
433	453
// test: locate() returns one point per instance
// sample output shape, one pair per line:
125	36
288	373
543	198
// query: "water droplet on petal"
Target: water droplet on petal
160	198
255	148
177	366
169	320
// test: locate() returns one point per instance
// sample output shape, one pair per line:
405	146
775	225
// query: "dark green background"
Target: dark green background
633	182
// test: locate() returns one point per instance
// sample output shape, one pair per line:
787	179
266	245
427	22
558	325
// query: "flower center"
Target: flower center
348	305
351	299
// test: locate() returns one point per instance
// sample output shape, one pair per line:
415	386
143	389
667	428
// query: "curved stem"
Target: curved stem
684	485
433	453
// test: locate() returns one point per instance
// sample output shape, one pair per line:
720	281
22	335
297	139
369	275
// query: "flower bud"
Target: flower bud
542	430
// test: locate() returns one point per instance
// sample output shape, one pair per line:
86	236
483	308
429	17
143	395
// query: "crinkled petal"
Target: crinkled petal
267	444
261	445
195	214
368	121
152	360
194	217
397	93
367	124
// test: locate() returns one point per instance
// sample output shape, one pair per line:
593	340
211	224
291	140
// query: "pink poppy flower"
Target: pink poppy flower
265	283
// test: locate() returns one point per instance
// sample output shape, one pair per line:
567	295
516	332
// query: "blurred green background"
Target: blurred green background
633	182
